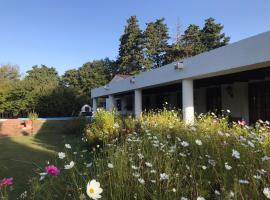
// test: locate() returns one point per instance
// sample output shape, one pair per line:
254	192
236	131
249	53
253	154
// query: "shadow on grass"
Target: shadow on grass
23	157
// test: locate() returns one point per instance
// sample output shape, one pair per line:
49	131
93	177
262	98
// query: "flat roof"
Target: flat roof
246	54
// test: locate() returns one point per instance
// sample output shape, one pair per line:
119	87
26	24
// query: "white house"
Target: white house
234	77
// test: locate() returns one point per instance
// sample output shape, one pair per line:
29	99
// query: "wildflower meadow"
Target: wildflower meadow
157	157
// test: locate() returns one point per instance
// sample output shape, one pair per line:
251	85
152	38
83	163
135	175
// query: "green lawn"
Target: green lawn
21	156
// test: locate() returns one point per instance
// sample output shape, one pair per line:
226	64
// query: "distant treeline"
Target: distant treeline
42	90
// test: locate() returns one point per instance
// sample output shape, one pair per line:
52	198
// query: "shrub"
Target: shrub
33	115
105	126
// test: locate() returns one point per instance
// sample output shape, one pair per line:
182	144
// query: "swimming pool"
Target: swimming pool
51	118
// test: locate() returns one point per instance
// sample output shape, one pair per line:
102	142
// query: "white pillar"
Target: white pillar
111	102
138	103
124	105
94	109
188	104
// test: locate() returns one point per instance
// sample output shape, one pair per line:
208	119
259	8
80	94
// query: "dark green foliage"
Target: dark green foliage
90	75
212	36
195	41
131	58
156	43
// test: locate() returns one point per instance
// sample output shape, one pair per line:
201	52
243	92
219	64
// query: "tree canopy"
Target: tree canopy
131	58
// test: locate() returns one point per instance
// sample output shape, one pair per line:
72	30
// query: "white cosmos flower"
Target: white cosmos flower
242	181
136	175
134	167
164	176
140	156
200	198
42	175
265	158
231	194
141	181
148	164
251	144
182	154
266	192
227	166
198	142
193	128
258	177
235	154
70	165
184	198
110	165
68	146
93	189
61	155
116	125
88	165
185	144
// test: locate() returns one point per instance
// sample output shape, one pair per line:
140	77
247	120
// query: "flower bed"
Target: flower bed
159	157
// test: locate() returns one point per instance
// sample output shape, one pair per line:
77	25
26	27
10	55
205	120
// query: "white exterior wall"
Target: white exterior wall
238	103
138	103
188	101
110	103
94	105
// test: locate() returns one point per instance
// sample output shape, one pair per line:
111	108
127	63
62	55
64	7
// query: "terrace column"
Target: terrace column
188	104
94	109
138	103
111	102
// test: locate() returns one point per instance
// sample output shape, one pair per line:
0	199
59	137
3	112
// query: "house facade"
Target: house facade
234	77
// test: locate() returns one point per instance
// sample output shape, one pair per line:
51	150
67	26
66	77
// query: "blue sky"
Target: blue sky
67	33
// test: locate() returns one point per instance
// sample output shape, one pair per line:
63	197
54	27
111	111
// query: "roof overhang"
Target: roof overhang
247	54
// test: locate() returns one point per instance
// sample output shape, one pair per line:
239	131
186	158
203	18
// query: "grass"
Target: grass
20	157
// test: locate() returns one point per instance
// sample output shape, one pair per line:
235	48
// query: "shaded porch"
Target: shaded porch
246	94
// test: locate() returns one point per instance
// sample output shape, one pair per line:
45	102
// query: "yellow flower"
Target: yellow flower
94	190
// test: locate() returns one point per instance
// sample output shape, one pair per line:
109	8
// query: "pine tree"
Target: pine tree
131	57
211	35
189	44
156	43
192	41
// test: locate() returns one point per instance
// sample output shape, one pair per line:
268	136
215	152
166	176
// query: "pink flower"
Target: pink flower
243	122
6	182
52	170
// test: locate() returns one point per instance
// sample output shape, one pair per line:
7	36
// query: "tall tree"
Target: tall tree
192	41
212	36
71	78
9	76
156	43
92	74
131	58
9	72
